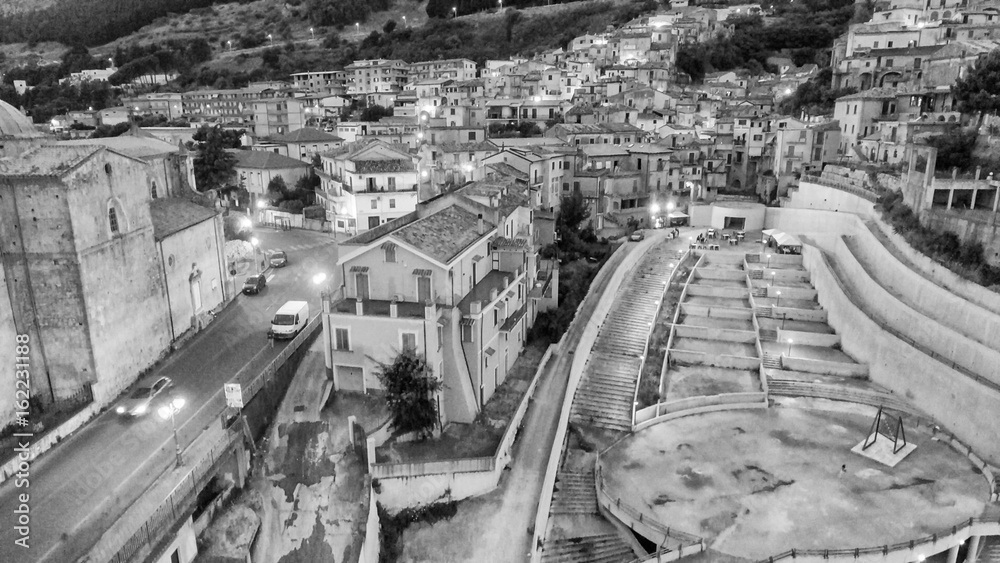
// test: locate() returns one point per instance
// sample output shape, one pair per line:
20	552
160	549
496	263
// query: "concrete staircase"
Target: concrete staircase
765	312
771	361
605	548
575	493
607	388
768	335
991	553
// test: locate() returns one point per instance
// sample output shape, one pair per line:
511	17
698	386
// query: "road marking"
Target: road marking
269	278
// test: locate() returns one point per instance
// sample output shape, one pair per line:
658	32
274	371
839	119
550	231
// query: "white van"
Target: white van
290	319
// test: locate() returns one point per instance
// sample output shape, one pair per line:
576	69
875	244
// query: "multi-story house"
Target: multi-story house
368	77
453	281
277	116
857	114
226	106
596	133
332	82
167	104
450	163
255	169
449	69
303	144
366	184
800	147
547	167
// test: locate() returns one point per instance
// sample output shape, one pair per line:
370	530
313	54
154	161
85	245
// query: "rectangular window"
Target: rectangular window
466	332
408	341
341	339
423	289
392	204
374	203
390	254
496	317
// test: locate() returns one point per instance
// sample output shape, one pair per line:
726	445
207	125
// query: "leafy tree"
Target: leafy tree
277	190
955	149
573	210
389	27
115	130
374	113
979	91
815	95
214	166
410	386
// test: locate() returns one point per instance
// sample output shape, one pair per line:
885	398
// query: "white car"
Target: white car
637	235
141	400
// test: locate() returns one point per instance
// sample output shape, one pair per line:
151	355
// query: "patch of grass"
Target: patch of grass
391	527
649	381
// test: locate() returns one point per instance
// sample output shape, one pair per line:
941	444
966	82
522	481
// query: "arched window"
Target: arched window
113	219
152	190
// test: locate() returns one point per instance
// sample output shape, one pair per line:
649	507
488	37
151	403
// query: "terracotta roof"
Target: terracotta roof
46	161
872	94
443	235
265	160
382	166
171	215
137	147
507	170
467	147
504	243
306	135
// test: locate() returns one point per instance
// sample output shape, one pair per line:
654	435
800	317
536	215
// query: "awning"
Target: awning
785	239
359	269
477	257
677	215
490	351
388	245
421	272
769	232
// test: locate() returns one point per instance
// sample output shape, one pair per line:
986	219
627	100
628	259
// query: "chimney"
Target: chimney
979	170
475	307
480	228
493	294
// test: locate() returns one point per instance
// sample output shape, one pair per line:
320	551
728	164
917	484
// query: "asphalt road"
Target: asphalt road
82	485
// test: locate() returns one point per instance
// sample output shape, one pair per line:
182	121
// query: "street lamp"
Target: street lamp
777	297
255	243
768	260
404	21
357	27
789	347
230	43
454	11
312	32
167	412
772	277
271	39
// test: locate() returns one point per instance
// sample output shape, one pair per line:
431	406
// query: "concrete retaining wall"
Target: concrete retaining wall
924	330
714	360
945	394
712	291
950	309
780	275
661	412
719	274
716	312
803	293
708	333
812	315
823	367
809	338
937	273
816	196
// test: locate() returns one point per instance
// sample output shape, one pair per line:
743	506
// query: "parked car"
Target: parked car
141	400
254	284
637	235
277	259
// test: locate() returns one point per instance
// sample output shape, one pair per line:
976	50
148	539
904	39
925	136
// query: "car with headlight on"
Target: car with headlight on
140	401
277	259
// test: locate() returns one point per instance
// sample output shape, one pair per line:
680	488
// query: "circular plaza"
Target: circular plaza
757	482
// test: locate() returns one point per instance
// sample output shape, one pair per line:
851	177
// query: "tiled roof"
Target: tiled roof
382	166
872	94
171	215
443	235
504	243
137	147
265	160
507	170
467	147
306	135
46	161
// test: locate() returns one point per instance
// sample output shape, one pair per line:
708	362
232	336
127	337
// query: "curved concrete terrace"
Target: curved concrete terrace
755	483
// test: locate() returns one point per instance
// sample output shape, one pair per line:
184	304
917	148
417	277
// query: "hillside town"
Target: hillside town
468	217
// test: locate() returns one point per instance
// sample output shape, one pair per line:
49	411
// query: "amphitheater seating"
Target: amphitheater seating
604	548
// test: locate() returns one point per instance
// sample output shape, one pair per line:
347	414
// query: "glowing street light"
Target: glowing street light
777	299
654	209
312	32
319	278
256	244
789	347
230	43
404	21
261	204
768	260
670	206
271	39
357	27
454	11
167	412
772	277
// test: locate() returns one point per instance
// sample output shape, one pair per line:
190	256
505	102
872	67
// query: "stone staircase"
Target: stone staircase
607	388
759	292
604	548
756	274
771	361
751	258
991	553
765	312
575	493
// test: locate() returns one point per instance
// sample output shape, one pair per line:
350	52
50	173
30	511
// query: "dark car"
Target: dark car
141	400
254	284
278	259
